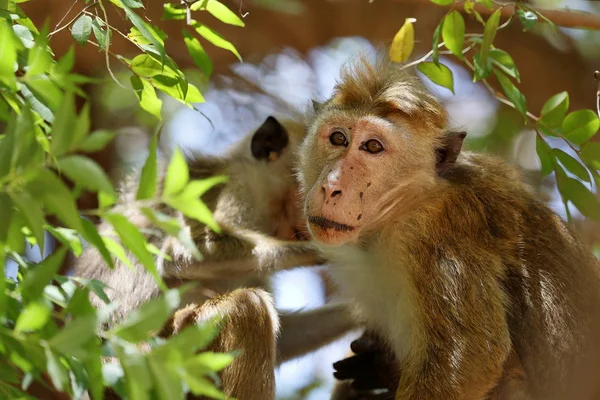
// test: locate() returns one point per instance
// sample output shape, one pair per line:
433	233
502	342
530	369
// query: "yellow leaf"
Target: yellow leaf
404	42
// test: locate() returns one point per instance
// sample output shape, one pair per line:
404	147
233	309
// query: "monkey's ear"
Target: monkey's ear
448	150
316	105
269	140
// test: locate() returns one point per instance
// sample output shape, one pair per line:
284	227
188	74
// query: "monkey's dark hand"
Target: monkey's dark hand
372	367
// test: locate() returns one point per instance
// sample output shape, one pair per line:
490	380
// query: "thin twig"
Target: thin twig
74	18
68	12
107	45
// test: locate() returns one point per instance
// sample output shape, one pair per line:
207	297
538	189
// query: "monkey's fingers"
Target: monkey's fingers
355	367
364	344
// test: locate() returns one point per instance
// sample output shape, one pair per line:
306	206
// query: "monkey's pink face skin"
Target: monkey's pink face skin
356	160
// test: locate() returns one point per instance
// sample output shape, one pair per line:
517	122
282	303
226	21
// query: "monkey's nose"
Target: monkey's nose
331	192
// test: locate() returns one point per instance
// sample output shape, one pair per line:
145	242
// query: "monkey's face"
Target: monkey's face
352	170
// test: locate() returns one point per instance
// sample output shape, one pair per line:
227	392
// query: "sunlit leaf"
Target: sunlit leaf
167	382
72	339
528	19
487	3
437	34
149	318
171	12
195	209
62	131
117	250
59	374
132	238
148	178
177	174
489	33
571	164
212	361
201	386
6	212
580	196
93	237
147	31
442	2
453	33
590	154
219	11
8	55
146	66
504	61
215	38
68	237
147	97
82	29
33	317
554	110
511	91
86	172
199	56
580	126
403	42
438	74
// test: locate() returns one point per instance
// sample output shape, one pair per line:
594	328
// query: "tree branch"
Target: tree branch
561	17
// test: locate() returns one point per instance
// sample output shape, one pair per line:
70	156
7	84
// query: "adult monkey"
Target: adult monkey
446	255
257	212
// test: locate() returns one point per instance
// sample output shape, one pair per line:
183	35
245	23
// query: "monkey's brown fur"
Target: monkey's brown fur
257	212
454	261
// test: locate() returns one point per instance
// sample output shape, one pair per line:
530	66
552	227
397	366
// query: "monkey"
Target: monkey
258	212
444	253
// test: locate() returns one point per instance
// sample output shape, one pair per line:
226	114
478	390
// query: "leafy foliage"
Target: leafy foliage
49	330
576	173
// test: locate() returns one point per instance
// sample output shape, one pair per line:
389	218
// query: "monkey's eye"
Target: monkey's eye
337	138
372	146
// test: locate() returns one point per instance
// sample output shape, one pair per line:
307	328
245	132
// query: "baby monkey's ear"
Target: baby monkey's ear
448	150
269	140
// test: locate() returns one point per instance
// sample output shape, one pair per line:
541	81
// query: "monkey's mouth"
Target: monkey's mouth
329	224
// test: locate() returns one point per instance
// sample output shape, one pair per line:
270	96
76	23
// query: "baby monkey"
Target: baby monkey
259	213
446	255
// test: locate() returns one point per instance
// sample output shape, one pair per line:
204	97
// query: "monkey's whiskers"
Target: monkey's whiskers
329	224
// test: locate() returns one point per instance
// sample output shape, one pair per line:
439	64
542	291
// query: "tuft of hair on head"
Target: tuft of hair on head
384	88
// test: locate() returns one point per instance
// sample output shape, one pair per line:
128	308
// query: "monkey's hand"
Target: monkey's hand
373	367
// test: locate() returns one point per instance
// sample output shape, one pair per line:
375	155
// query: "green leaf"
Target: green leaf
220	11
72	339
513	94
453	33
438	74
117	250
90	233
489	33
149	318
42	274
199	56
147	97
580	196
148	178
177	174
442	2
212	361
100	33
147	31
63	131
8	55
68	237
590	154
571	164
504	61
82	29
31	210
436	41
543	152
56	369
57	198
171	12
403	42
195	209
96	141
6	213
39	59
580	126
528	19
554	110
33	317
87	173
201	386
132	239
167	382
66	63
487	3
215	38
146	66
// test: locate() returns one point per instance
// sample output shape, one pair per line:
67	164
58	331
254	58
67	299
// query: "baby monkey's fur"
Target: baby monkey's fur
257	210
450	257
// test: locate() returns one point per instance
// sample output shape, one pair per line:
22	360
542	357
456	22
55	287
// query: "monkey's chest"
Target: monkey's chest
381	295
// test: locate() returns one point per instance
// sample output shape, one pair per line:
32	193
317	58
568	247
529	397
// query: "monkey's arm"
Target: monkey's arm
238	253
306	331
